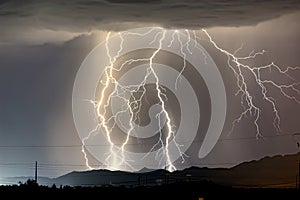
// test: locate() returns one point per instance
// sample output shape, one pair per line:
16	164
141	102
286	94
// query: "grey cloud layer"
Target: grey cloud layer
82	16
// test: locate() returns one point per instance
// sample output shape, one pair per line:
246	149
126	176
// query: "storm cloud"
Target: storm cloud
23	20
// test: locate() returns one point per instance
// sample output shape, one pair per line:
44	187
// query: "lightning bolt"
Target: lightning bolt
116	157
112	89
251	107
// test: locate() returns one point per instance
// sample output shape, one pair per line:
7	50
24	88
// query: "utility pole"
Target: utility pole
35	174
299	176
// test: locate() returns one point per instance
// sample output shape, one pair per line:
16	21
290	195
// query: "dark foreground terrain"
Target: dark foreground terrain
182	190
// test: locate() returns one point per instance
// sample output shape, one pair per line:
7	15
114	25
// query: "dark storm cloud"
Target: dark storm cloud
23	17
134	1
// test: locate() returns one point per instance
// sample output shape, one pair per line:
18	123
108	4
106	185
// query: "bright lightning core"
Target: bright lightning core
111	88
120	107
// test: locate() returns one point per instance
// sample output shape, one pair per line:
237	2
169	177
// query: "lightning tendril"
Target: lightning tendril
112	88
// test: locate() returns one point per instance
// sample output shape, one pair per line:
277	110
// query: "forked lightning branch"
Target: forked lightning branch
111	92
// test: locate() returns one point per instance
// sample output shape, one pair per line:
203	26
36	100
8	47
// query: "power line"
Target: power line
138	144
53	165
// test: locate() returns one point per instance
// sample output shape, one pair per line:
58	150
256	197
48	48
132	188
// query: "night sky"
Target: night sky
42	45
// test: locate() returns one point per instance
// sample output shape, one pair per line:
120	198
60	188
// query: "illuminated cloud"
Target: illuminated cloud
18	19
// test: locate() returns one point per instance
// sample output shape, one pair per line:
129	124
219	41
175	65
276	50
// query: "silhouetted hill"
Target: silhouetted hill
277	171
97	177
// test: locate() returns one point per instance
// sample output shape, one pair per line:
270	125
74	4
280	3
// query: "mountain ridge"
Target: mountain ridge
274	171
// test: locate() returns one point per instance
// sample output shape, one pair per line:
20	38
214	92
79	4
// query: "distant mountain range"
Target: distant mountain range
277	171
